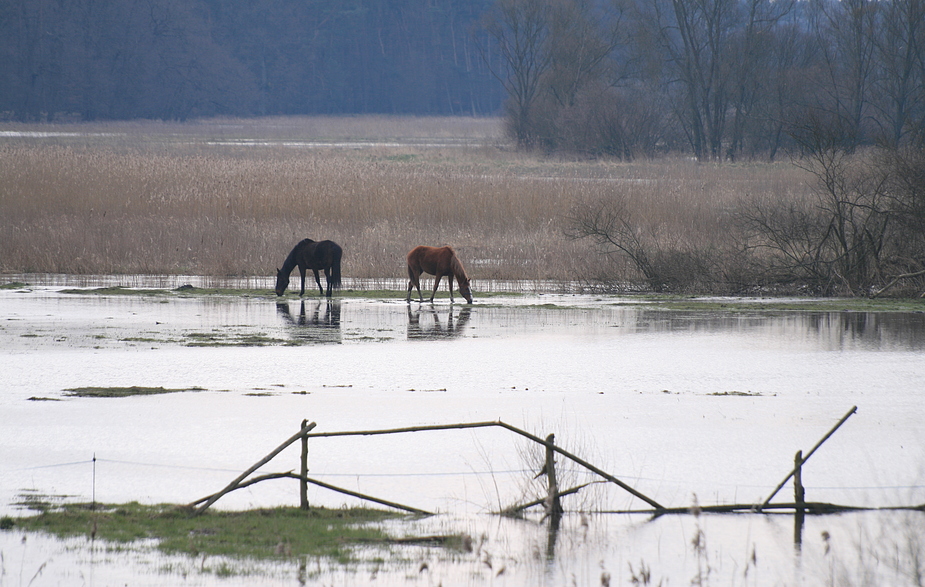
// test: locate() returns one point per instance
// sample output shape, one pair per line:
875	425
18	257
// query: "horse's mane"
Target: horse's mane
457	266
292	258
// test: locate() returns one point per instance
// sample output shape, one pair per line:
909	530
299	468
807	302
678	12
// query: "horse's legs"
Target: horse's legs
327	280
436	285
302	273
450	277
318	280
414	281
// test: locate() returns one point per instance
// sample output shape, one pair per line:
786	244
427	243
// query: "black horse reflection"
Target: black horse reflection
425	323
319	325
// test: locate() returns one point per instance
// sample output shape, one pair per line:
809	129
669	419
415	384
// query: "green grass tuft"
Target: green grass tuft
122	391
274	533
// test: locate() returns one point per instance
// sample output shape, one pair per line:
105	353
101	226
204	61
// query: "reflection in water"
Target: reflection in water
832	331
321	325
431	327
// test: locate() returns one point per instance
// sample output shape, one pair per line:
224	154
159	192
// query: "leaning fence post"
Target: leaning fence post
231	486
809	454
553	505
303	471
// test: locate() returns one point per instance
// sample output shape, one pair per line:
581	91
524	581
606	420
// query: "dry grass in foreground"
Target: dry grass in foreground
231	198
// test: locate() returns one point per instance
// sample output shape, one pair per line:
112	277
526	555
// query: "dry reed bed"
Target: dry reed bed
191	207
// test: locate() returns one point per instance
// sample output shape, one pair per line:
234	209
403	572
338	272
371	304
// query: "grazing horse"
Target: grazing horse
437	261
315	256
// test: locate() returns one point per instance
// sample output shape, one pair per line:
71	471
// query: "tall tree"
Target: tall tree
520	31
698	39
846	29
899	84
755	43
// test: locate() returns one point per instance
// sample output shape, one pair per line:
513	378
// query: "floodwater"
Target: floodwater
684	407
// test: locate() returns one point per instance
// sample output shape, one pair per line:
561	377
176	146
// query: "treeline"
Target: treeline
719	78
177	59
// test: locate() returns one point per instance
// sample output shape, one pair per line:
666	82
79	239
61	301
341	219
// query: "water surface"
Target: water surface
681	405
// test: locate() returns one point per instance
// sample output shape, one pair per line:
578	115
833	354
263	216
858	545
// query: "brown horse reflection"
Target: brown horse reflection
425	324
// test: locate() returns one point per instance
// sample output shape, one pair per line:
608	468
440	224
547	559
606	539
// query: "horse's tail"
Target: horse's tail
335	268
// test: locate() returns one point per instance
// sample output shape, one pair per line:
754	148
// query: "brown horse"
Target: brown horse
437	261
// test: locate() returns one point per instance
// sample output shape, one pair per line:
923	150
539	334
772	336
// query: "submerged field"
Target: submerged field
142	394
231	198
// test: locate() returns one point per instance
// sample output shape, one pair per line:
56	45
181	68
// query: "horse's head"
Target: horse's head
464	289
282	282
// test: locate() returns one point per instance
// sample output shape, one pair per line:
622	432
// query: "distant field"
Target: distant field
231	197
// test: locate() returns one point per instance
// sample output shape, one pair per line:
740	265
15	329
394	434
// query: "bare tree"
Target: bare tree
753	63
847	30
665	263
837	242
582	38
900	60
520	30
696	37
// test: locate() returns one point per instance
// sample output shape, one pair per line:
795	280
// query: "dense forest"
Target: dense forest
177	59
721	79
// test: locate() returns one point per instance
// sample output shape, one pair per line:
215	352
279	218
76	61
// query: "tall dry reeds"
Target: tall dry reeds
231	198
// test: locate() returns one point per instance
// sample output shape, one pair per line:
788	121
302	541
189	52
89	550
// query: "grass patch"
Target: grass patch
182	291
187	291
14	285
551	306
141	339
206	339
123	391
667	302
735	394
267	534
114	290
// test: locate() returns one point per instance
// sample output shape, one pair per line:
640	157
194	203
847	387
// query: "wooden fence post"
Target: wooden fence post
809	454
303	472
553	505
799	500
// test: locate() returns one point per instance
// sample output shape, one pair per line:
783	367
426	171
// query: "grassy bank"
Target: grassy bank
231	198
491	298
275	533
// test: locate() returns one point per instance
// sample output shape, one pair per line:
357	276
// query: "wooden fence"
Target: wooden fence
552	500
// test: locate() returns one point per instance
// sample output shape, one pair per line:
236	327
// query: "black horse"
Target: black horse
315	256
